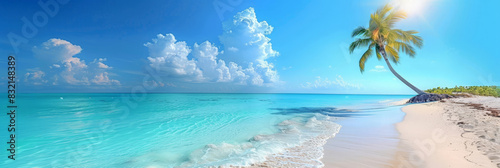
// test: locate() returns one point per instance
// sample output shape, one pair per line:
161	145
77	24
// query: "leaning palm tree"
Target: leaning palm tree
386	41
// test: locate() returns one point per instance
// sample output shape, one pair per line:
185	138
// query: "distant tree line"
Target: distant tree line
475	90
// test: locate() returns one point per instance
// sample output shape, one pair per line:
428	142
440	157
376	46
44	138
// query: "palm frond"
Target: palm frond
395	16
408	36
417	40
359	43
384	10
375	22
392	53
368	53
404	47
393	59
401	35
359	31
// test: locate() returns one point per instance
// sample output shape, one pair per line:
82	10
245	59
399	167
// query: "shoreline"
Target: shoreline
457	132
307	153
361	142
369	141
449	133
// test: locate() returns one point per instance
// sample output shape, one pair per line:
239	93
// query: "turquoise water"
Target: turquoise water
172	130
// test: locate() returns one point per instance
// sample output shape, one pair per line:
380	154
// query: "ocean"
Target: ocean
176	130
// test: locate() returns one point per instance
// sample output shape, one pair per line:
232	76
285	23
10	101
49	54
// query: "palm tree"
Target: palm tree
386	41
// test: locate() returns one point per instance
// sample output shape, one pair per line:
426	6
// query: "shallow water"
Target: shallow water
173	130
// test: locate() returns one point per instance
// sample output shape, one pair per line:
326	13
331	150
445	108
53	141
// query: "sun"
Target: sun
411	7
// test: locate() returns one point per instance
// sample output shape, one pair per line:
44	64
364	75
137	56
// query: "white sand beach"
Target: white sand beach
454	133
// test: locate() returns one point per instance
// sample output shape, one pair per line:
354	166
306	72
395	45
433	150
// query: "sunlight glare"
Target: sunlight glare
411	7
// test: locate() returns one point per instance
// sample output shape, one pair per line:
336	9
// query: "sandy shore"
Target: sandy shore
368	140
365	142
453	133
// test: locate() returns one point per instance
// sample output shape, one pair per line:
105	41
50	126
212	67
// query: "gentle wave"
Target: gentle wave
307	133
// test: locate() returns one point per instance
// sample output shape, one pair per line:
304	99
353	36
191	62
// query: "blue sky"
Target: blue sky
242	46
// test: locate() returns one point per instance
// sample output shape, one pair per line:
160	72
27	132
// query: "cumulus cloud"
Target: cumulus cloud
378	68
100	64
169	56
62	67
247	40
36	77
244	62
327	83
212	68
103	79
56	50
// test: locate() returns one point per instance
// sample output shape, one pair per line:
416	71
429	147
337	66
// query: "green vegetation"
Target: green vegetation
475	90
386	42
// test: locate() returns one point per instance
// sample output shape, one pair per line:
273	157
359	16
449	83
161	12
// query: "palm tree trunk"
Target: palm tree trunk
382	51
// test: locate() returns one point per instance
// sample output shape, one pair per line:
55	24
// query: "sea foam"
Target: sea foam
298	144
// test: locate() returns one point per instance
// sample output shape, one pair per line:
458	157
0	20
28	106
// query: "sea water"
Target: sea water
172	130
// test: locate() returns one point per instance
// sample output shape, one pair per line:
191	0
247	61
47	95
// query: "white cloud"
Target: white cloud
56	50
232	49
36	77
249	36
206	59
245	63
155	84
326	83
100	63
103	79
170	57
61	65
378	68
237	73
